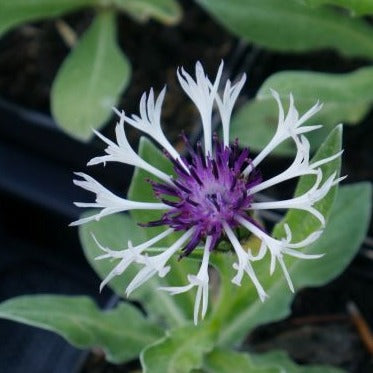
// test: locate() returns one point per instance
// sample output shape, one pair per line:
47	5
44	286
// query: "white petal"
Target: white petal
109	202
202	92
243	264
226	105
287	127
156	264
149	121
127	256
201	281
123	152
279	247
306	200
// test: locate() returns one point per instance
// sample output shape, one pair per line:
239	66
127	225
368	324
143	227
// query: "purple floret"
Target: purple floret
214	191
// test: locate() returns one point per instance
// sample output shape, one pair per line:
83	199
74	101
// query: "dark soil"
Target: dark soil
320	330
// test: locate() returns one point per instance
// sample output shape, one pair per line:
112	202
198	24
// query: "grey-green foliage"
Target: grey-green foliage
16	12
90	79
346	98
227	361
166	11
356	7
281	361
96	71
122	332
293	27
181	351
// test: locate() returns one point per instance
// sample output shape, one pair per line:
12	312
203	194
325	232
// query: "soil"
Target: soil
319	330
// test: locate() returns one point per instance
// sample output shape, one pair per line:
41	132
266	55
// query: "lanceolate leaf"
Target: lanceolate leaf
280	360
346	98
239	309
181	351
293	27
15	12
166	11
90	80
356	7
227	361
122	333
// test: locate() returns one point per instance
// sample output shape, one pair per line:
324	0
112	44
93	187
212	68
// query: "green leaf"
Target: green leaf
90	80
15	12
239	309
346	98
122	333
356	7
228	361
281	360
114	232
292	27
181	351
166	11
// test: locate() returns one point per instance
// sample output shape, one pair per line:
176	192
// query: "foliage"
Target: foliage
293	27
89	83
96	71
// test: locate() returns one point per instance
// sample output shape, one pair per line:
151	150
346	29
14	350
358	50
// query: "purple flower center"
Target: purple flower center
212	193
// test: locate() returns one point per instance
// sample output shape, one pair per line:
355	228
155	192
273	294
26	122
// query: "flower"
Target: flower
213	190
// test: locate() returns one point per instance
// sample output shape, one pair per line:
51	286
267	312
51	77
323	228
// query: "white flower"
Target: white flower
212	193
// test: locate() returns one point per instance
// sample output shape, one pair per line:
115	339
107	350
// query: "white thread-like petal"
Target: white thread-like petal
201	281
108	201
156	264
123	152
305	201
226	105
202	92
279	247
243	264
149	121
287	127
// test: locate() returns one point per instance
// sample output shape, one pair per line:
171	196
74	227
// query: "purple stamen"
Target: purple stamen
213	193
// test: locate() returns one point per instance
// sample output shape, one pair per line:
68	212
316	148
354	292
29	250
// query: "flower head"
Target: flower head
213	191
